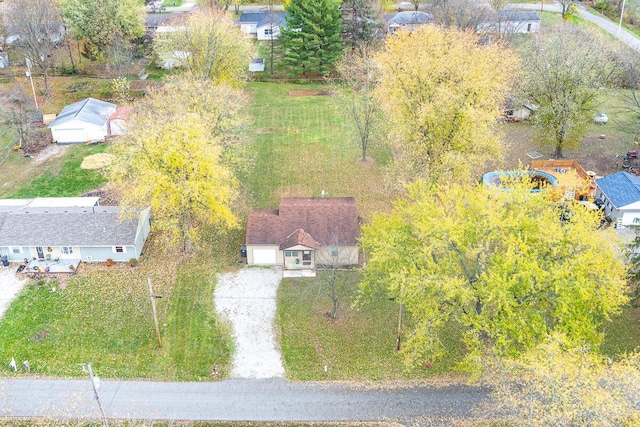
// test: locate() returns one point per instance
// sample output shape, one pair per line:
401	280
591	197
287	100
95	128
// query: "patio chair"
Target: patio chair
56	259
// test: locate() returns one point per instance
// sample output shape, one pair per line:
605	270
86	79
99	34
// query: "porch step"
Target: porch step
299	273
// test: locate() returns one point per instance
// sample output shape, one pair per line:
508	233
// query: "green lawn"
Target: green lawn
57	177
359	344
302	146
172	3
103	315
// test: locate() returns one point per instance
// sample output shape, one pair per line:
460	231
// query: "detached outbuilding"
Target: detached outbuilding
304	233
83	121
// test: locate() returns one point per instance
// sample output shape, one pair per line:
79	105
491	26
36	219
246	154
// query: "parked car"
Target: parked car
600	118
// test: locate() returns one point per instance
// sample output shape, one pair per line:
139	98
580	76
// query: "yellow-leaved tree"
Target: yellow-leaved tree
561	385
440	90
504	268
209	46
179	156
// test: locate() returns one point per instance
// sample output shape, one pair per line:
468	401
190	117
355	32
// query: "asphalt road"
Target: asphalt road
620	33
238	400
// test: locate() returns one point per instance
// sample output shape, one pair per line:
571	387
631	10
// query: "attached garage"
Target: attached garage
264	256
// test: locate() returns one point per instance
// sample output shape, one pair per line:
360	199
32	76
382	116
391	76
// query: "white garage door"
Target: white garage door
264	256
70	135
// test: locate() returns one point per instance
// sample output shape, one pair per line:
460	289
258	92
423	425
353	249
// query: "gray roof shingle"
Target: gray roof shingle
621	188
89	110
263	18
89	226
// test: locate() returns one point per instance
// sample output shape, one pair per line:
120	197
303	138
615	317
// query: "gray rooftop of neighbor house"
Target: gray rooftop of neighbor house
155	20
410	17
513	15
10	205
518	15
89	110
67	226
263	18
621	188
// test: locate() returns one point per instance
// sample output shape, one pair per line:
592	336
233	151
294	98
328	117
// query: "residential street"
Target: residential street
238	400
623	35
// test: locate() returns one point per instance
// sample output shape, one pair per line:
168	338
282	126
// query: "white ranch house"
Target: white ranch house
51	231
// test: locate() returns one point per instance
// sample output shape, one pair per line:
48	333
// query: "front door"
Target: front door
40	252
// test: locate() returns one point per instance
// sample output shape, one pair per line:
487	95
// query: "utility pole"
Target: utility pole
271	19
621	15
399	328
95	383
35	99
153	297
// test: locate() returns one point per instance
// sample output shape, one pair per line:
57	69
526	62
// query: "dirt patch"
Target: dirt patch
42	335
310	92
368	161
53	151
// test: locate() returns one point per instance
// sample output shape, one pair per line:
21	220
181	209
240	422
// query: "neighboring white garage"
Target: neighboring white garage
83	121
264	256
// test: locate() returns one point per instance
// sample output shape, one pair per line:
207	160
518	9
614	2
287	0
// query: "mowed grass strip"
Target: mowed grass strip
358	345
303	145
58	177
104	316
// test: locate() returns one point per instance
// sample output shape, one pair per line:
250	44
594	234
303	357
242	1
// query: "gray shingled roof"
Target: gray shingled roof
411	17
621	188
263	18
89	110
91	226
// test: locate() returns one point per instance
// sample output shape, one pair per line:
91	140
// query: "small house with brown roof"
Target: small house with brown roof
304	233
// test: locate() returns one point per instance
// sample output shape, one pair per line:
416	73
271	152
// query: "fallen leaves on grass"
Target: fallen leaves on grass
97	161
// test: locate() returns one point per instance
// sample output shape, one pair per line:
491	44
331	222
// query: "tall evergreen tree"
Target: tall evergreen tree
360	22
311	38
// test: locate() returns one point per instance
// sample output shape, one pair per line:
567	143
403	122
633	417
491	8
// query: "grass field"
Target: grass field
302	146
57	176
103	315
358	345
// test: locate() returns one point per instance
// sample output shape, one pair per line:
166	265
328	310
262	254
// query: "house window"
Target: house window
16	250
119	249
67	250
291	253
529	28
268	31
306	255
334	251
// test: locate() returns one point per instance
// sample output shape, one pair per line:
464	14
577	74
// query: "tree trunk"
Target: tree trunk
558	153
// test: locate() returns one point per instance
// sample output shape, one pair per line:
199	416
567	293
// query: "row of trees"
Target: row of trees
106	29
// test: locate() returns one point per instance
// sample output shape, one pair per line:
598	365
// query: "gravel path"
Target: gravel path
247	299
10	287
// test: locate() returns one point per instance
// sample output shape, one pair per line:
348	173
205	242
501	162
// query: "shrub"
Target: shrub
133	262
109	262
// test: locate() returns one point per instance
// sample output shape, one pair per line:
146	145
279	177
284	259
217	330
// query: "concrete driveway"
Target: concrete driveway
10	287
